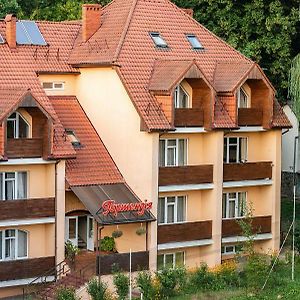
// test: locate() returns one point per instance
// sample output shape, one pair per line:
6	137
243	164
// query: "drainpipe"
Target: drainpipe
56	163
99	229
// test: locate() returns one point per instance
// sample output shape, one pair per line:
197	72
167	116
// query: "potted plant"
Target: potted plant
141	230
70	252
117	233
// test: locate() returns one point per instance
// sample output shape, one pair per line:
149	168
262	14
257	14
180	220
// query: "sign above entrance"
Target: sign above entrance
111	207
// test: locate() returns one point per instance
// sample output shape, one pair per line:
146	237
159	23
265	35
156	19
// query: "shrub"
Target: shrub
71	251
167	279
121	282
227	275
108	244
98	290
145	283
65	293
202	279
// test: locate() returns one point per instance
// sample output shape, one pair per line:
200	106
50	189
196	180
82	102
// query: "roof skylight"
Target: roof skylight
158	40
1	39
73	138
28	33
195	43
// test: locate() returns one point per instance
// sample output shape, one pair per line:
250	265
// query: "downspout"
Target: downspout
55	187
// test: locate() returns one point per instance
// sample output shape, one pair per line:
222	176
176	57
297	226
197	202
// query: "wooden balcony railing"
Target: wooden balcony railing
247	171
183	232
188	117
185	175
24	148
27	208
250	117
25	268
231	227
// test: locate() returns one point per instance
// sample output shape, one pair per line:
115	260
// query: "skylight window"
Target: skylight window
158	40
1	39
195	43
28	33
73	138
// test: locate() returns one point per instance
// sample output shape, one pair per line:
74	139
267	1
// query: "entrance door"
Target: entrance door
90	233
72	230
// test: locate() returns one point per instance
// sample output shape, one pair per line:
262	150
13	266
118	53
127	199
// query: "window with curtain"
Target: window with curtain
181	97
234	205
13	244
13	185
235	149
170	260
171	209
243	99
17	126
172	152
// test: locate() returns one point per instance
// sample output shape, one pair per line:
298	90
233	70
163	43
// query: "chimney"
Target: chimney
11	21
189	11
91	20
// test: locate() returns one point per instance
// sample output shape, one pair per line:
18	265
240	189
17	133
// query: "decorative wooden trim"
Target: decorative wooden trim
231	227
27	208
24	148
250	117
247	171
25	268
185	175
189	117
183	232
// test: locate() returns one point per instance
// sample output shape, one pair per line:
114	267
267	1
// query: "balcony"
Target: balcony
188	117
183	232
27	208
247	171
24	148
231	227
25	268
250	117
185	175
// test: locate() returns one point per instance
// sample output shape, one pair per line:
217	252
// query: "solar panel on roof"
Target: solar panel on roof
28	33
1	39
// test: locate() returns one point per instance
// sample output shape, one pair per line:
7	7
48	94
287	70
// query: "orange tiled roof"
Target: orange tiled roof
280	120
93	164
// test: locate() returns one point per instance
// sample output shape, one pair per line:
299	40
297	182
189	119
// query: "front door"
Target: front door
90	233
72	230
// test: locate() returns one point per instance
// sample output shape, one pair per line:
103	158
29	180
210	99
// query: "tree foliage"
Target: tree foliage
294	85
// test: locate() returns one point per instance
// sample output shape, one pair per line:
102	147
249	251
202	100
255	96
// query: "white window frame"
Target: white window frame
175	209
236	205
237	144
53	85
174	258
15	179
233	252
176	147
16	124
16	238
177	94
239	98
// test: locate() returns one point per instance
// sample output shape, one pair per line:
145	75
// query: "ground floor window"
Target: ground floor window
13	244
170	260
231	249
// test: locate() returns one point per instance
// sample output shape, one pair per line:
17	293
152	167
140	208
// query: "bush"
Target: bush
98	290
202	279
145	283
227	275
168	281
66	294
71	251
108	244
121	282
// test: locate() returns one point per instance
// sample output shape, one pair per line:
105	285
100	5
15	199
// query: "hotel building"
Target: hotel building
137	102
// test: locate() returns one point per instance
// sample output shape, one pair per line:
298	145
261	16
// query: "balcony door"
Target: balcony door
90	233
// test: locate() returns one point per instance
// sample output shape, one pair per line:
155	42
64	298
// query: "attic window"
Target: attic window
28	33
58	85
158	40
73	138
1	39
195	43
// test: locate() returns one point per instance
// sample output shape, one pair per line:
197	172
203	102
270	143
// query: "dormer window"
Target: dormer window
243	99
58	85
195	43
73	138
181	97
158	40
17	126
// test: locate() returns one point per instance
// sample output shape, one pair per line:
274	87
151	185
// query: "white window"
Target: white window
181	97
235	149
173	152
243	99
171	209
231	249
17	126
234	205
170	260
13	185
57	85
13	244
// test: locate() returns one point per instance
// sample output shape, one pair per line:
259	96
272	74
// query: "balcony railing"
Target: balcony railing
183	232
24	148
188	117
27	208
247	171
231	227
25	268
250	117
185	175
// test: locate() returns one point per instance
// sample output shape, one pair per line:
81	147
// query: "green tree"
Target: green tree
8	6
294	85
